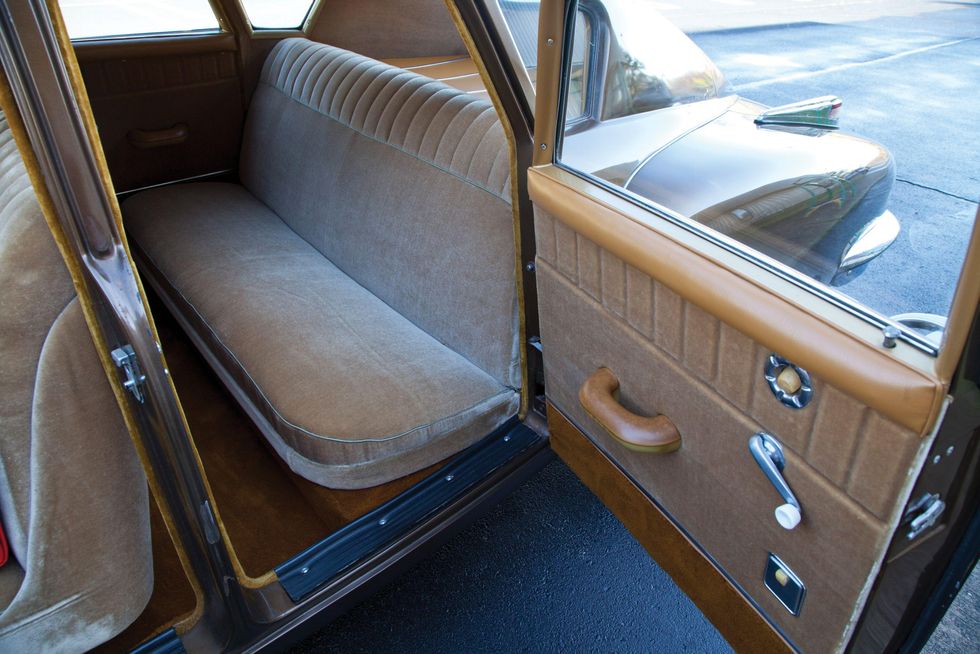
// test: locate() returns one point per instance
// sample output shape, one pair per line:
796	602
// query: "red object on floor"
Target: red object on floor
4	550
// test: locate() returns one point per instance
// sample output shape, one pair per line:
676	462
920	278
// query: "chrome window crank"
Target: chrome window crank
768	453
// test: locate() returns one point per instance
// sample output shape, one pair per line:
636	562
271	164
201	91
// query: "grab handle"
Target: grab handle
655	435
144	139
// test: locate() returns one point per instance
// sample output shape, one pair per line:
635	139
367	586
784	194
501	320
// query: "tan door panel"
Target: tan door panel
688	335
166	109
846	463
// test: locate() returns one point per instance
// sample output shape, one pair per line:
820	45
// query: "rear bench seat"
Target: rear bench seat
357	291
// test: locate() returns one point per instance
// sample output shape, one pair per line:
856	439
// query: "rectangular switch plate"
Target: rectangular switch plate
784	584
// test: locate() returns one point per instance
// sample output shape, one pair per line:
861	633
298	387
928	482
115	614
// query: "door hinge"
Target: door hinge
125	359
923	514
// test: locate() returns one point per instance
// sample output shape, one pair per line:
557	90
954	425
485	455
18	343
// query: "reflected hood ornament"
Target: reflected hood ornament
816	112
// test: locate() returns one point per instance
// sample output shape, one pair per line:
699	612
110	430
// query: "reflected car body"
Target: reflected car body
671	130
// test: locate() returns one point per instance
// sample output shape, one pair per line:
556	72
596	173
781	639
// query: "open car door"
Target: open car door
774	447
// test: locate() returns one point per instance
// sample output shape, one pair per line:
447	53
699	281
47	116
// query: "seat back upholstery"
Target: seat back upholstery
73	496
399	180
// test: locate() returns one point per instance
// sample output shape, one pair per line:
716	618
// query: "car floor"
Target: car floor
548	569
269	513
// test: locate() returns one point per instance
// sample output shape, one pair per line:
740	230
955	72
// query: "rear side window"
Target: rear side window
95	19
277	14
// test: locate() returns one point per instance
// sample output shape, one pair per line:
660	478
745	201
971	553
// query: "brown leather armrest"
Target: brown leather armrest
656	435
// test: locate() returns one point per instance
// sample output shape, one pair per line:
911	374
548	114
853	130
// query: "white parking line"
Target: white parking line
857	64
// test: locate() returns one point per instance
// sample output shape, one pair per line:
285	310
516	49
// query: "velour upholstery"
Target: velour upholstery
401	181
357	292
354	390
73	496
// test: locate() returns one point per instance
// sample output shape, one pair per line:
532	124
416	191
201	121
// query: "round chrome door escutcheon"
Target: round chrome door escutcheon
789	383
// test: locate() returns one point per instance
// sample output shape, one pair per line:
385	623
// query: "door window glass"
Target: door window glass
835	148
88	19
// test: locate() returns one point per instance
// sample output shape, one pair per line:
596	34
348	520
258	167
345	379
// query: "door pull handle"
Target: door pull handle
768	453
145	139
654	435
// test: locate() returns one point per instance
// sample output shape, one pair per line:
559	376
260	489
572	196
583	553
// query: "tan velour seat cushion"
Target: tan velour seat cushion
349	392
73	496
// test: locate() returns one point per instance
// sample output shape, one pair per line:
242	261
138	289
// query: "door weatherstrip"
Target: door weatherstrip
166	643
305	572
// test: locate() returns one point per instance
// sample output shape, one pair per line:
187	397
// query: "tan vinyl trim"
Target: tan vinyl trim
474	53
963	310
830	342
85	110
551	27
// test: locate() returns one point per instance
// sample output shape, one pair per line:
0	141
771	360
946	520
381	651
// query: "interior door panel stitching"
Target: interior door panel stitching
709	391
751	411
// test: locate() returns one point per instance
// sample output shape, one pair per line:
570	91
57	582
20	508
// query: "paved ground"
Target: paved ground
960	629
908	82
550	569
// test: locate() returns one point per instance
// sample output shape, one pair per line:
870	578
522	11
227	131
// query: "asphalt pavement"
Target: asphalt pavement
550	569
547	570
909	83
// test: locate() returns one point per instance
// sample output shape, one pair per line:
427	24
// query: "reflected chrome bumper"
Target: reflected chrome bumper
873	239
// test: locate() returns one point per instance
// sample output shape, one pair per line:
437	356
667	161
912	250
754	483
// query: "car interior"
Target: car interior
326	360
327	225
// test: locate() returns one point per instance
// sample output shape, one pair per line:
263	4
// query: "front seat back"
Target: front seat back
73	496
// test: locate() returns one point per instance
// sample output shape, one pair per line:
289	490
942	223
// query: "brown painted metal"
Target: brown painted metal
799	194
914	568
